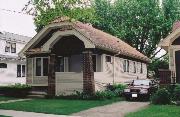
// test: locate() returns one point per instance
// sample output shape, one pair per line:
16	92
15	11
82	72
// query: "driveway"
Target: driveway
114	110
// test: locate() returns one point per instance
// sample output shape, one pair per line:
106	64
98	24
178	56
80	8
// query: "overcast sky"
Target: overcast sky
16	22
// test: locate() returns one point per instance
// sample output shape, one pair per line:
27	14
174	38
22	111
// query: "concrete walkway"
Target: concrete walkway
118	109
13	113
9	101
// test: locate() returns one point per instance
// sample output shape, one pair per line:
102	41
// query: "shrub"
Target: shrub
162	96
176	94
17	90
117	89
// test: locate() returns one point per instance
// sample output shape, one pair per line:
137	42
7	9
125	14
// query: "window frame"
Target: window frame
141	69
3	67
41	58
126	65
21	70
8	49
134	66
107	59
13	48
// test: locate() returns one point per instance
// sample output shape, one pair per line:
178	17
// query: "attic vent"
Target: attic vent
89	24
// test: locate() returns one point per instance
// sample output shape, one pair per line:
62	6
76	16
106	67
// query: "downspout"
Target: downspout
114	65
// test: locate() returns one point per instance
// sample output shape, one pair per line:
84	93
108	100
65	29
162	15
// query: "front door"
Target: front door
177	58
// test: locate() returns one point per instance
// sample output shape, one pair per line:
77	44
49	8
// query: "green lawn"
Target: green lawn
3	98
56	106
157	111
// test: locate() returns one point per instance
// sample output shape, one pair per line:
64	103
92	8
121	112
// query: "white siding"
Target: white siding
9	75
120	76
68	82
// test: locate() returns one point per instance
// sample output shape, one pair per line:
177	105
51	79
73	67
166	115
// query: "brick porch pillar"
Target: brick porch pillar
51	75
88	73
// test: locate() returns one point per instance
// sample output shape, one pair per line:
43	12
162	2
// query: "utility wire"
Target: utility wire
13	11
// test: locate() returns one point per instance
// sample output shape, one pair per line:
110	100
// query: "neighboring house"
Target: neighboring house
67	56
172	45
12	68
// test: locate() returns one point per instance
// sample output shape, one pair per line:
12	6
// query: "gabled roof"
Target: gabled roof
166	42
103	40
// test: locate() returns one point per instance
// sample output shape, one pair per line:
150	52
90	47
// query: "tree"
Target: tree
46	10
158	64
140	23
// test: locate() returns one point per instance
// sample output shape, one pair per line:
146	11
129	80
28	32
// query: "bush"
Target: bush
162	96
111	91
17	90
176	94
117	89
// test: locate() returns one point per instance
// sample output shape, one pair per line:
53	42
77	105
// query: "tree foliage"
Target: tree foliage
140	23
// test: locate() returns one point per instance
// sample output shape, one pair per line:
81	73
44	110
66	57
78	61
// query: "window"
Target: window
60	64
134	63
7	48
141	68
10	47
126	66
38	66
13	48
108	58
21	70
42	66
3	65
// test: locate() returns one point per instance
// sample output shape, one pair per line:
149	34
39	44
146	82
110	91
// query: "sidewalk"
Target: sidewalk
9	101
13	113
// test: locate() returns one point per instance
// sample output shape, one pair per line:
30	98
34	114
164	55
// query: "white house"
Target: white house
12	68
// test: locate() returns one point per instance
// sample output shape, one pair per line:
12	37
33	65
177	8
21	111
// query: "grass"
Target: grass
3	98
56	106
157	111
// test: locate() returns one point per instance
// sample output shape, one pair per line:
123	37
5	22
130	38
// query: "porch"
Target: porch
68	67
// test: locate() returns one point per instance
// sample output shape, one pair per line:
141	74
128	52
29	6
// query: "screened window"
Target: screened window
42	66
134	63
108	58
21	71
38	66
3	65
60	64
10	47
126	66
18	70
7	47
13	47
141	68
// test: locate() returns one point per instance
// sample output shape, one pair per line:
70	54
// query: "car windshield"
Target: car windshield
141	82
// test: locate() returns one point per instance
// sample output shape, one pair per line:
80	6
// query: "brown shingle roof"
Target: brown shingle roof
104	40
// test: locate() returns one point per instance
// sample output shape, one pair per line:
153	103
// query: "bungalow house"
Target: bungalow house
67	56
172	45
12	68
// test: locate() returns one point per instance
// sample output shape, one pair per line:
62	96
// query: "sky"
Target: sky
17	23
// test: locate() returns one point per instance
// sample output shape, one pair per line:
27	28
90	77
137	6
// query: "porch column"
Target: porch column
88	73
51	75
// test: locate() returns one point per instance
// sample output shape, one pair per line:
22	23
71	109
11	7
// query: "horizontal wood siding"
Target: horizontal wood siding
106	77
68	82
